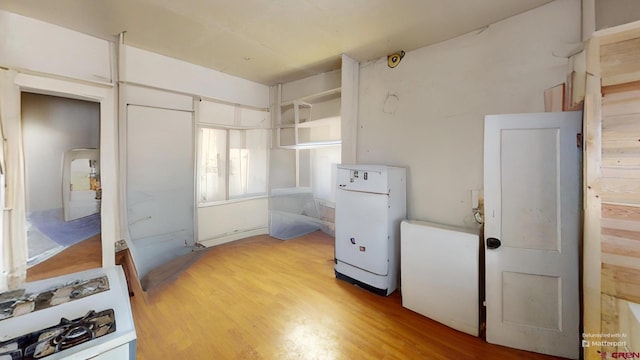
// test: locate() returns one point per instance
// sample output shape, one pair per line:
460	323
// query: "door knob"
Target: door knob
493	243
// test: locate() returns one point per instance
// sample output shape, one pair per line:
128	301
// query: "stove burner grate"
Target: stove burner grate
67	334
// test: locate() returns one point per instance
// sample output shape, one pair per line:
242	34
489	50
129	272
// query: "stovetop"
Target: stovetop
19	302
66	334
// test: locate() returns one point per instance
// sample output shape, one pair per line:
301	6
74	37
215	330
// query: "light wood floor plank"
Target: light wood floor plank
84	255
262	298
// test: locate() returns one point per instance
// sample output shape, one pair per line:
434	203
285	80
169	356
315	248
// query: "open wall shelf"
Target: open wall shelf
311	121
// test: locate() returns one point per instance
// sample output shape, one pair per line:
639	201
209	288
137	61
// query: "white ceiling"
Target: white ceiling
273	41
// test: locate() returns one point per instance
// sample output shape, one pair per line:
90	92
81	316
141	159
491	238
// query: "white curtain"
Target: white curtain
14	245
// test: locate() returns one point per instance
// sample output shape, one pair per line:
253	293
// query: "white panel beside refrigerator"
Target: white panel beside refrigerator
370	204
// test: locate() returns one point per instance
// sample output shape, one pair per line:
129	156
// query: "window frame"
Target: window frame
228	199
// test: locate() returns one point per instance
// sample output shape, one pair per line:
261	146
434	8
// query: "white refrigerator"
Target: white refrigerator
370	204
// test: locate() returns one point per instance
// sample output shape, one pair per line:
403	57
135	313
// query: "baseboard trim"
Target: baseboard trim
223	239
124	259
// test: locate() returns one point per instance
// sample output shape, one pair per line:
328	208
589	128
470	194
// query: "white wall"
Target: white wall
34	45
162	72
50	127
427	114
174	84
610	13
235	220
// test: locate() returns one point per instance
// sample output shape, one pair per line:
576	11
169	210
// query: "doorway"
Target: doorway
61	141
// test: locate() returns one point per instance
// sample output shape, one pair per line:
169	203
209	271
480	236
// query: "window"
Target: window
232	163
212	165
247	162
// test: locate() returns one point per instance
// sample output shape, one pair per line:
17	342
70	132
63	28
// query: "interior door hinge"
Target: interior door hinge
579	140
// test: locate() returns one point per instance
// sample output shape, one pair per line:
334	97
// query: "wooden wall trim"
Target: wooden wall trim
618	33
611	178
591	259
621	88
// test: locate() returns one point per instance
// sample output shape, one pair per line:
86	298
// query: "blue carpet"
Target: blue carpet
51	223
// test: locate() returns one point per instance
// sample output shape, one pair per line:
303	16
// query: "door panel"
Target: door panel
532	202
532	300
362	235
530	219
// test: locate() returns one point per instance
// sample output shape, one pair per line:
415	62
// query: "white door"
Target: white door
80	183
532	189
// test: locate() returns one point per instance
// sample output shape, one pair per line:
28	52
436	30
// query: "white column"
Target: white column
349	108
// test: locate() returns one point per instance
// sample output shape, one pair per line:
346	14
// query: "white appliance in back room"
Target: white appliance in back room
370	204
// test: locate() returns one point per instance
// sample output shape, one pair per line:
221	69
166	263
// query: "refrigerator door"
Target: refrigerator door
361	179
362	233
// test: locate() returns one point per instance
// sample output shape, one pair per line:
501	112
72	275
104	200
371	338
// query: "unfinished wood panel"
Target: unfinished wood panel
610	320
621	212
619	62
616	180
623	173
554	98
621	282
626	191
619	164
617	245
620	146
621	127
621	142
618	34
621	103
621	230
622	155
612	175
621	237
621	88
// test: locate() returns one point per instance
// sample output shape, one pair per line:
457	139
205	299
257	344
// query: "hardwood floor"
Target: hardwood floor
84	255
262	298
